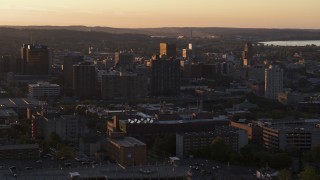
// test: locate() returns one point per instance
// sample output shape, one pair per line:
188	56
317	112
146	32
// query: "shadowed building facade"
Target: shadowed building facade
35	59
84	80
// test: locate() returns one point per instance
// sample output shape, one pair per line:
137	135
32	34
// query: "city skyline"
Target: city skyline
165	13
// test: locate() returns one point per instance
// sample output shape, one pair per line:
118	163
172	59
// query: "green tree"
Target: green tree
284	174
309	173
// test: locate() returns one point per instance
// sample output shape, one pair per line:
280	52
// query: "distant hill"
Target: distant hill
245	33
79	38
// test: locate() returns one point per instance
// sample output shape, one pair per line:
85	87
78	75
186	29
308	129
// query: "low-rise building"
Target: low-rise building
43	89
283	134
19	151
8	116
127	151
51	121
186	143
253	130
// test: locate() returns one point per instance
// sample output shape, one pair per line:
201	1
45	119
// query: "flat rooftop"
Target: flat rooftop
128	142
7	112
19	146
19	102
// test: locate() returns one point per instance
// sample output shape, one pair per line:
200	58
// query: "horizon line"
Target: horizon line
159	27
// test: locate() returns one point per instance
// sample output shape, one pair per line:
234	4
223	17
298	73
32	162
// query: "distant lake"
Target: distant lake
292	43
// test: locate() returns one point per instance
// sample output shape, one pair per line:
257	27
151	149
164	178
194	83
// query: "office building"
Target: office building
35	59
127	151
273	82
66	126
247	55
187	143
123	85
124	59
165	77
290	133
168	50
68	62
43	89
253	130
84	80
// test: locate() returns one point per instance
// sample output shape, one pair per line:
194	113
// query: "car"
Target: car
67	164
39	161
62	158
28	168
85	163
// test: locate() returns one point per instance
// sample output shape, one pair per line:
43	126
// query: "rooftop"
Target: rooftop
19	146
128	142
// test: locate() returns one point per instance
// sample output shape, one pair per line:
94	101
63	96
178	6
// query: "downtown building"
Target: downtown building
34	59
247	55
68	62
84	80
165	77
124	60
119	85
168	50
273	82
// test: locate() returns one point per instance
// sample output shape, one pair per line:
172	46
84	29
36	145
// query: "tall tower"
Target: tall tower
35	59
247	55
165	78
273	82
68	62
84	80
168	50
124	59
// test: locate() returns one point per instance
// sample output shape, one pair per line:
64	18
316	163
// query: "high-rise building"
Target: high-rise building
123	85
168	50
124	59
165	78
273	82
35	59
84	80
68	62
247	55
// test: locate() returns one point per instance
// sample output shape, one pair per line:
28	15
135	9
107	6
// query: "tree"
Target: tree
220	151
280	161
309	173
284	174
67	152
313	155
54	140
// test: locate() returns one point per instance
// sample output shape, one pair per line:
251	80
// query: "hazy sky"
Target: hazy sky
163	13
